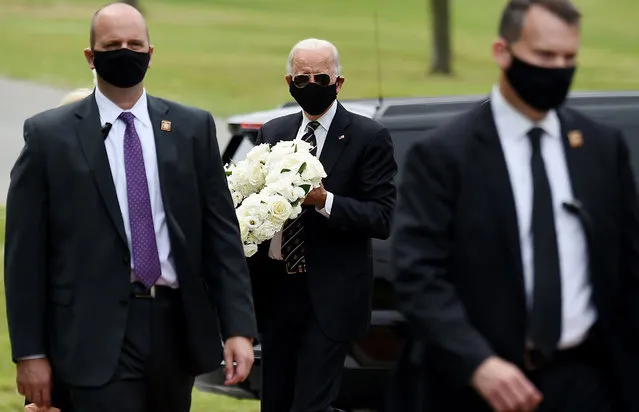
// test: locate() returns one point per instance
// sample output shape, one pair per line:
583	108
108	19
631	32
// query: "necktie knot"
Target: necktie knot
534	135
312	126
127	117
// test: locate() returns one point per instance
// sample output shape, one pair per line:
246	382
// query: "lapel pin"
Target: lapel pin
575	138
341	137
165	126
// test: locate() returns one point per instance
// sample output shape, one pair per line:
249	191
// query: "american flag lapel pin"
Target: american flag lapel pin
165	126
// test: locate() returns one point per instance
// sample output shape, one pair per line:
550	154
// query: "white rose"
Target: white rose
295	211
302	146
314	172
281	150
299	193
282	186
279	209
259	153
250	249
254	206
256	177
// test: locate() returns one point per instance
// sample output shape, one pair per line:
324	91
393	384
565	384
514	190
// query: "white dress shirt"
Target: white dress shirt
578	311
114	144
275	249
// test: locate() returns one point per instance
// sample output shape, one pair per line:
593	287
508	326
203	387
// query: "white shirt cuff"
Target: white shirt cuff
326	211
32	357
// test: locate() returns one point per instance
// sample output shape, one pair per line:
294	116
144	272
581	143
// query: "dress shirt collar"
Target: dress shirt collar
324	121
109	111
509	119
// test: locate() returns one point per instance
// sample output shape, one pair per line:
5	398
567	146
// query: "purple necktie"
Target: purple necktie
145	249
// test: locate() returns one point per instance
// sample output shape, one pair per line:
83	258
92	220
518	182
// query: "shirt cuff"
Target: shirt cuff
32	357
328	205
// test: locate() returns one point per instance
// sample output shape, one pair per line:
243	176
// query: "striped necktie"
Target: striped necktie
293	231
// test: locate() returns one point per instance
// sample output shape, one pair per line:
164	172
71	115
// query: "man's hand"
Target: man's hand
34	381
316	197
238	359
505	387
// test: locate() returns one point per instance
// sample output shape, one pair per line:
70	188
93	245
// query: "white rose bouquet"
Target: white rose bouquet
268	187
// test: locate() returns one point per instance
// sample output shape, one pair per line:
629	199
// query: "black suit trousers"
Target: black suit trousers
152	372
301	366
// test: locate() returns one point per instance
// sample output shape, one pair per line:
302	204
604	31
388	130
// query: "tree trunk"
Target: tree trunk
442	54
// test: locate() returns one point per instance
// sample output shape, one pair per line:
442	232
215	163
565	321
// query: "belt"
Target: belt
534	359
142	292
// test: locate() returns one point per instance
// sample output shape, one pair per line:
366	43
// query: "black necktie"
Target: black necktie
293	231
545	318
309	136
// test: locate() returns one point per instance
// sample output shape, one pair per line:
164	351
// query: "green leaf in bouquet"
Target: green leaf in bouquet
285	170
229	173
307	188
302	168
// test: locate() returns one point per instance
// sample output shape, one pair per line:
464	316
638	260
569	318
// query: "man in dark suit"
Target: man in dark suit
313	280
517	242
123	251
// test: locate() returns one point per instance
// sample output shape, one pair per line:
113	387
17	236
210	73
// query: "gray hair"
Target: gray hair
314	44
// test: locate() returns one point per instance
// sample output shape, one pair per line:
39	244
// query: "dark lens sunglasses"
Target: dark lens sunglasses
301	80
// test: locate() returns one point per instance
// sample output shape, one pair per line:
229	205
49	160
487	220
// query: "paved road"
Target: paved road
20	100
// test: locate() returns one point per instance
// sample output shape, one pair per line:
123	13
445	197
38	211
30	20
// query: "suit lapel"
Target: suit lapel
503	201
290	128
335	142
88	130
165	145
576	149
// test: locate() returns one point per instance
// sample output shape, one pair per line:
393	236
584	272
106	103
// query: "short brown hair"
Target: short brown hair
512	18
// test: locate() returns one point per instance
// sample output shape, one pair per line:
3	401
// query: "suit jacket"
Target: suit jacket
360	170
456	249
67	263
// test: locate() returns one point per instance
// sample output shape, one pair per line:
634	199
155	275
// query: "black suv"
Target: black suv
371	359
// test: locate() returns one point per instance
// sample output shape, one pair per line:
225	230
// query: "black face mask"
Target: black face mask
313	98
543	88
122	68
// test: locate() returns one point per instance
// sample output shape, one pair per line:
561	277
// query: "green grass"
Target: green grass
228	56
11	401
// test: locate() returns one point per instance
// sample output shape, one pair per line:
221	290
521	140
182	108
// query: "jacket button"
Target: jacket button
124	303
126	260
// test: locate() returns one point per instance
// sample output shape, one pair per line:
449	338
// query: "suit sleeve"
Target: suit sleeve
25	250
421	248
371	214
629	226
225	267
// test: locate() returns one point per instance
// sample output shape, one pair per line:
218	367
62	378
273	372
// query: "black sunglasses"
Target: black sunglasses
301	80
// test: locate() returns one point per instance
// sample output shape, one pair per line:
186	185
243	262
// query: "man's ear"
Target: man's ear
501	53
340	82
88	55
151	50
